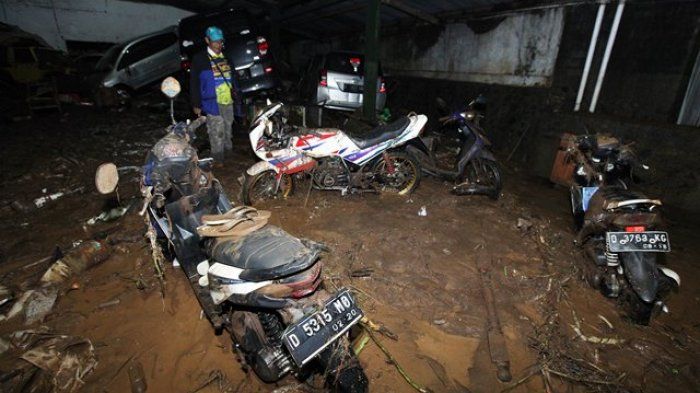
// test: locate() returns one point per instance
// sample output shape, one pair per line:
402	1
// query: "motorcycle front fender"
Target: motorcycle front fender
642	273
487	155
417	146
260	167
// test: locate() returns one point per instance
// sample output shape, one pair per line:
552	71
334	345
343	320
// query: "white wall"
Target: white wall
87	20
522	51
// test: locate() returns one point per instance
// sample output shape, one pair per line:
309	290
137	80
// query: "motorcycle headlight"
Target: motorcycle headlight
609	167
580	171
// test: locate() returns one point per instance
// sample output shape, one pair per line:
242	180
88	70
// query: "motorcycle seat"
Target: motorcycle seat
381	134
266	254
609	198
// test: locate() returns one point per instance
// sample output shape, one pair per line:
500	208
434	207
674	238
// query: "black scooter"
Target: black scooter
475	171
265	287
621	231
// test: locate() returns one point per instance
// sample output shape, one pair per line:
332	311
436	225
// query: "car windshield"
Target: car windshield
108	61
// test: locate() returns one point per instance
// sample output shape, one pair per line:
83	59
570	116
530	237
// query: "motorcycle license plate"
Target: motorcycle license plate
313	333
652	241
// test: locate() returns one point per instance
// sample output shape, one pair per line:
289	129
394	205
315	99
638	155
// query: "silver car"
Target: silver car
135	63
340	81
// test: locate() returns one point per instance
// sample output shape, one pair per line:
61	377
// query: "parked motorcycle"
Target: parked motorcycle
620	230
332	158
475	171
255	281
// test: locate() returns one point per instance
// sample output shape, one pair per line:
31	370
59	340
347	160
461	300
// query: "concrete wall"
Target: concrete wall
649	68
521	50
57	21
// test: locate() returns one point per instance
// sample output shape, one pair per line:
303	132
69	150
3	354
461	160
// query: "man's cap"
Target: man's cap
214	33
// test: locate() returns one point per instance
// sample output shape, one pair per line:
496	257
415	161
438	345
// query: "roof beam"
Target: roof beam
329	12
306	8
414	12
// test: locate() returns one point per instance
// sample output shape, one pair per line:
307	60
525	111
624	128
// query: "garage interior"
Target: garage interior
513	210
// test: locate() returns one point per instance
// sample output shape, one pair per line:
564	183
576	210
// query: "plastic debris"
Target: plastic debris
41	201
423	211
524	224
63	360
110	215
86	255
35	304
39	304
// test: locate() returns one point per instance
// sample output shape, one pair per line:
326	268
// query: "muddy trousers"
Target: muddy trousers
219	130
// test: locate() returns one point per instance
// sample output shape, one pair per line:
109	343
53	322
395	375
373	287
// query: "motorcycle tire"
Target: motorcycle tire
268	180
344	374
636	309
403	159
492	171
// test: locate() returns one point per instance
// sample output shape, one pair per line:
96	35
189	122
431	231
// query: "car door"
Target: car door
132	66
147	60
165	58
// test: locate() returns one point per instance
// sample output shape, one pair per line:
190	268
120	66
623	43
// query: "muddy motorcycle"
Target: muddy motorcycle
261	285
475	171
331	158
621	231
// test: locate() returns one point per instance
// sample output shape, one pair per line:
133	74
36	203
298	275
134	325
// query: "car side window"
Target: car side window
161	42
146	48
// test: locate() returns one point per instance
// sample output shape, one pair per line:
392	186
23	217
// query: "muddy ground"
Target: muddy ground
424	286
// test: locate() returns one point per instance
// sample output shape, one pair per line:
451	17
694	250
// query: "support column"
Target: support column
606	55
371	66
589	56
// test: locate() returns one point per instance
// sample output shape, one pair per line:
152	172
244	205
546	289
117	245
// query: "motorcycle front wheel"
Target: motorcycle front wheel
263	186
486	173
400	175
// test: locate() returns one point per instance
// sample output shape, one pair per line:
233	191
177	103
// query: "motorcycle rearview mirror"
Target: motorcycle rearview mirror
479	103
171	88
106	178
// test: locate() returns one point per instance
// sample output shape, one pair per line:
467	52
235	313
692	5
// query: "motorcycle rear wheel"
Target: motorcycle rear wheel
263	186
344	374
636	309
404	178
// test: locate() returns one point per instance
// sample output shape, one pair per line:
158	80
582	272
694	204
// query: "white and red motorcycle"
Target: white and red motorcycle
333	159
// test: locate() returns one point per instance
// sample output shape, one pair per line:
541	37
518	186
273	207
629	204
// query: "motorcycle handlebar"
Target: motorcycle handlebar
446	119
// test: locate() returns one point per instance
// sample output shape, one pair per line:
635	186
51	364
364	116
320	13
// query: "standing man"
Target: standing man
212	92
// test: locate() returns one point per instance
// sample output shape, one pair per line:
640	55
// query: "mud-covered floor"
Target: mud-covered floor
424	285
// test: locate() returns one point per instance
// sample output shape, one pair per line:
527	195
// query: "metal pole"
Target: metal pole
369	96
589	56
606	55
